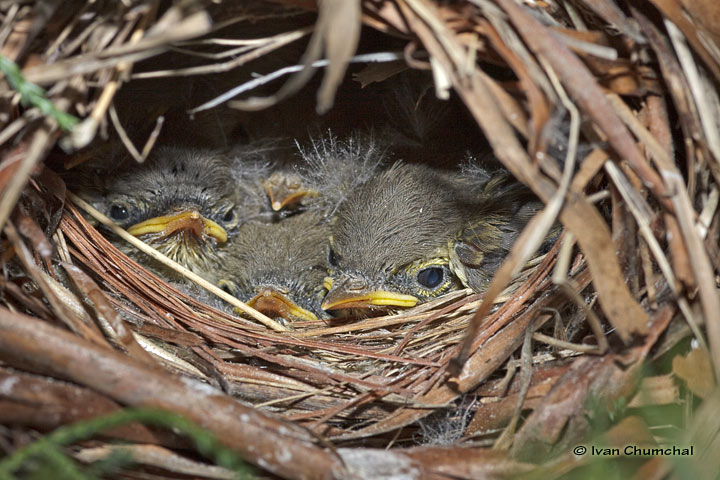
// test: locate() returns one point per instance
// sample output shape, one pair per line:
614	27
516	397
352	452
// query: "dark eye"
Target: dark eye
430	277
332	259
229	216
119	212
227	287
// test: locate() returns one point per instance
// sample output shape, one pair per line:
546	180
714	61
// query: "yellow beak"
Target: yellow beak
283	191
341	296
188	220
273	303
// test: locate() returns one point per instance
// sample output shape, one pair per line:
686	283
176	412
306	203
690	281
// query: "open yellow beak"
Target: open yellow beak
283	191
339	296
188	220
273	303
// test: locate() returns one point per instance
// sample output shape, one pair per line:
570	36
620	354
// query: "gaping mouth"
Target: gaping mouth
274	304
340	296
189	221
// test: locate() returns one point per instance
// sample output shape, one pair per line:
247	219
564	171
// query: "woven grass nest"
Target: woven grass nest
610	340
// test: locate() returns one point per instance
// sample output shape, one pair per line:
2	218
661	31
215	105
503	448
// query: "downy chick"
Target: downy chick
186	202
413	233
325	173
278	268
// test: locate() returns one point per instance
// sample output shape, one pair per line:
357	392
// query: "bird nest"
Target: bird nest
569	349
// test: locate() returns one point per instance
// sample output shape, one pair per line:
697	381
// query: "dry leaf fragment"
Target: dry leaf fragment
612	14
377	72
339	24
337	32
702	433
32	231
707	14
658	390
694	34
695	370
561	420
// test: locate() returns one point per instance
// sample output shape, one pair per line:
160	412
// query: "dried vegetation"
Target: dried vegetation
622	314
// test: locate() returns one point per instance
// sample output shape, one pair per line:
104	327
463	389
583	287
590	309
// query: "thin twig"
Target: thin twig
123	135
256	82
559	277
575	347
700	93
279	41
39	145
153	137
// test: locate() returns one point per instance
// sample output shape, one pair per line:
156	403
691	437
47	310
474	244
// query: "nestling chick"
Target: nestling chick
278	268
187	203
326	172
413	233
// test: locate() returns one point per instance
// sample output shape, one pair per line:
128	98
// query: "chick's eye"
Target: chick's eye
332	259
229	216
119	212
227	287
430	277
